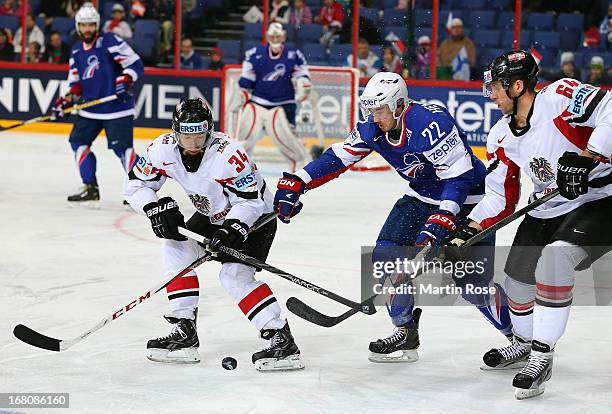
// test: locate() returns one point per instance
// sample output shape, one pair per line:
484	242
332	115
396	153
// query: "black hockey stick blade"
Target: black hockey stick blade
31	337
306	312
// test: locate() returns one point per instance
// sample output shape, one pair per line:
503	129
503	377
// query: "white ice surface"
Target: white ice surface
62	269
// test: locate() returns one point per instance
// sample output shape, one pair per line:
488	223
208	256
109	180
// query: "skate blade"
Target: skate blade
408	355
523	394
290	363
180	356
88	205
512	365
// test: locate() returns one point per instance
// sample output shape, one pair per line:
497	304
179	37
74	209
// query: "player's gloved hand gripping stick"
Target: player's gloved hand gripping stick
66	111
39	340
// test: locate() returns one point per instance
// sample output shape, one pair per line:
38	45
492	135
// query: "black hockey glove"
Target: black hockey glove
452	251
573	174
232	234
165	218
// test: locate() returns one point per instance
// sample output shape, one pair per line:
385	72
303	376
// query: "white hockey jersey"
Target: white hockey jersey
566	116
226	184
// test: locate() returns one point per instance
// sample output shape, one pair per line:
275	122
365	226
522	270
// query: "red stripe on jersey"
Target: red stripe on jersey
357	153
512	190
185	282
322	180
252	299
577	135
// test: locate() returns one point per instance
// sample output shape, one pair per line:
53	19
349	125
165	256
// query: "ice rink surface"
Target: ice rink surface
62	269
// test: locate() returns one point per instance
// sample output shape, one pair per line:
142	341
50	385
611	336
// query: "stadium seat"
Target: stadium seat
107	10
507	39
252	31
145	46
62	24
425	31
399	31
339	53
498	4
146	27
422	18
387	4
470	5
486	38
570	40
570	21
482	19
309	33
392	17
289	32
423	4
35	4
540	21
369	14
11	22
314	52
505	20
546	40
230	48
249	44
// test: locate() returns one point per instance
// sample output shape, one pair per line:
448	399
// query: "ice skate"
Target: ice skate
513	356
180	347
530	382
89	196
282	354
401	346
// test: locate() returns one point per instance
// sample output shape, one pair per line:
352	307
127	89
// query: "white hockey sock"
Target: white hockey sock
549	323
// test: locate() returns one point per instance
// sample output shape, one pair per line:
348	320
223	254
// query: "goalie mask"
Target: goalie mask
192	123
275	36
384	88
87	14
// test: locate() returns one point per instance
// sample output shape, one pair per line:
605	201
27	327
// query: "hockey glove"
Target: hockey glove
573	174
123	83
437	227
165	218
455	241
59	106
286	200
232	234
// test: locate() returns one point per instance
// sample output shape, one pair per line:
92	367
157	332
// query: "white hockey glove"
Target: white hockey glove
238	99
303	87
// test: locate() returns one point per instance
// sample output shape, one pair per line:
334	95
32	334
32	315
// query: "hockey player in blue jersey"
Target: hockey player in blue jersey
100	65
445	180
267	96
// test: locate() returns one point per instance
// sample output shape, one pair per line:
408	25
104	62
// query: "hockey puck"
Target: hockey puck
229	363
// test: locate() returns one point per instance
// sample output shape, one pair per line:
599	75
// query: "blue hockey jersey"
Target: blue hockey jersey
270	78
93	70
430	152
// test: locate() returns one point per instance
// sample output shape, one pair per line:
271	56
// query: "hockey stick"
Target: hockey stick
66	111
304	311
359	307
34	338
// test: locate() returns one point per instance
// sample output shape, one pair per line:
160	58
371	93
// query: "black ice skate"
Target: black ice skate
401	346
513	356
89	195
180	347
530	382
282	354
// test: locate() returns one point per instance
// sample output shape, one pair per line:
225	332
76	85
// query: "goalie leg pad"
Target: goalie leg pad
250	123
286	139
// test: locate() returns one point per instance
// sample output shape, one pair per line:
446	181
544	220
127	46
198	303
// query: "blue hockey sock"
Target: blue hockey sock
496	311
86	162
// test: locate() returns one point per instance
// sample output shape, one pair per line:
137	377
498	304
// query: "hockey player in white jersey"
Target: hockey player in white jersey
267	97
565	129
229	195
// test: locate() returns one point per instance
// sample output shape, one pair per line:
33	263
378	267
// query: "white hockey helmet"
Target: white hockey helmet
275	35
87	14
384	88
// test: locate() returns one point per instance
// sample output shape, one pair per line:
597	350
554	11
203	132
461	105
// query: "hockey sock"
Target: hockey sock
183	296
127	156
521	298
555	283
496	311
86	162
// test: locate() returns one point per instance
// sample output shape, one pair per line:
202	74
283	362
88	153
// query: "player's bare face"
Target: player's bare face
192	144
500	98
384	118
88	31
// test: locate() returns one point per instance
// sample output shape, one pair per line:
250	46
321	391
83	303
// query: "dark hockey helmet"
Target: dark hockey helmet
192	123
512	65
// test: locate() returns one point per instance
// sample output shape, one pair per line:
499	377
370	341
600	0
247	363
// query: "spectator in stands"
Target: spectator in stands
33	52
56	50
330	17
117	24
34	35
300	14
280	12
422	64
19	8
597	76
7	53
391	62
568	69
163	12
452	45
7	8
190	59
216	59
605	28
73	6
367	62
